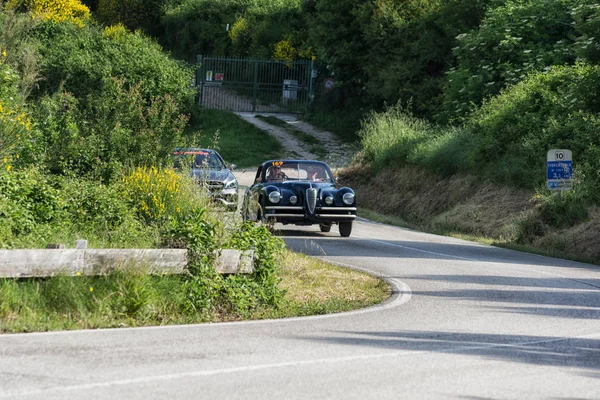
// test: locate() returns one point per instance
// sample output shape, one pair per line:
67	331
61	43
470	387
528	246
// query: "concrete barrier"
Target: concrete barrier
49	262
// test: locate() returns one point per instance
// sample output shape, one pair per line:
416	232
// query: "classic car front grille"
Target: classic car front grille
311	199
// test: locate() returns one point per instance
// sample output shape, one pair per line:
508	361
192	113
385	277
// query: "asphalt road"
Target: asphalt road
466	321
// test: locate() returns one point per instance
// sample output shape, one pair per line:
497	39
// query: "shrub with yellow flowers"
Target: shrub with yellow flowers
157	194
154	193
284	50
54	10
241	35
116	32
14	122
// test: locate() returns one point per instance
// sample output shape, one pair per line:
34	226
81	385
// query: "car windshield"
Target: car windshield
280	171
199	159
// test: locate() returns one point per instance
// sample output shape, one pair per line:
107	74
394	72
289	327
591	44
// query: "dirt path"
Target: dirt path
339	154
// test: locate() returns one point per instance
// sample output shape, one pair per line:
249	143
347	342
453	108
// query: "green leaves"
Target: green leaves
515	39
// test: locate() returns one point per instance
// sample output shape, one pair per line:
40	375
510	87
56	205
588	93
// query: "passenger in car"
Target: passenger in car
315	174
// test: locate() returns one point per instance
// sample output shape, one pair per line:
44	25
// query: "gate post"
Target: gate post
311	82
199	78
255	87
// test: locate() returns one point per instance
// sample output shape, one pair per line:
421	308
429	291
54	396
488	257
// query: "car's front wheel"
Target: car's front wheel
325	227
345	228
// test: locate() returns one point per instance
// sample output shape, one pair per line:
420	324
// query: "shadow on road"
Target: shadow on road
538	350
331	244
550	297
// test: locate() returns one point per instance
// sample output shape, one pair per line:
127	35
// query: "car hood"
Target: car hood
212	174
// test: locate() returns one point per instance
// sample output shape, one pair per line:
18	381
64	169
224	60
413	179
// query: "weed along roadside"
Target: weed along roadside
145	208
446	180
130	296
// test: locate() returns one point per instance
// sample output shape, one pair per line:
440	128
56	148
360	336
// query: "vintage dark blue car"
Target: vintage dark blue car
299	192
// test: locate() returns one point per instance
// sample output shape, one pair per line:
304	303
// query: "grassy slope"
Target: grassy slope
238	141
135	299
466	207
345	124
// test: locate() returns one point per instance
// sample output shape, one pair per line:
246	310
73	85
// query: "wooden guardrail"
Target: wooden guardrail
49	262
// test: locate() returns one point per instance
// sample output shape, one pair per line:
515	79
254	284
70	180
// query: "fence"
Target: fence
254	85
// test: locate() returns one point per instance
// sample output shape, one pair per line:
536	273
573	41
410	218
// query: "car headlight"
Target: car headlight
348	198
231	185
274	197
329	200
294	199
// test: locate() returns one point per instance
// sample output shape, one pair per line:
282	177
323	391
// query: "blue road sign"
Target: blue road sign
561	170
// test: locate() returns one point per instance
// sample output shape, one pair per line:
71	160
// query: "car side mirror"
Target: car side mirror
232	167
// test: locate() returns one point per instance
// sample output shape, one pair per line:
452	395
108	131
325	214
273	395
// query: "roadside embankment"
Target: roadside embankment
464	205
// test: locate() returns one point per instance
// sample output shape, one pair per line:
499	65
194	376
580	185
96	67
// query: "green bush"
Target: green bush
135	14
15	124
557	109
92	204
505	140
587	24
198	27
209	291
18	50
37	209
391	137
80	60
116	128
107	99
392	50
514	39
28	199
565	209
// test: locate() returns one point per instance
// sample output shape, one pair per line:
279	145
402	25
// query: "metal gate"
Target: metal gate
255	85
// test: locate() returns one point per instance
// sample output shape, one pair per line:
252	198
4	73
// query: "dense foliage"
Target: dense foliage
103	99
514	39
88	118
260	28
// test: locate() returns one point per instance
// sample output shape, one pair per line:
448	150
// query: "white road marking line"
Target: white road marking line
252	368
415	249
532	267
402	293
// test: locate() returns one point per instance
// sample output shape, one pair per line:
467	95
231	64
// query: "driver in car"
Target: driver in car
275	173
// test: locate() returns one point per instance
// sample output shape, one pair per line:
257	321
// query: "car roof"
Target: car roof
191	150
314	162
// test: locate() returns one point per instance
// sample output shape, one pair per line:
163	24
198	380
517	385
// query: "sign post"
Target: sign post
559	169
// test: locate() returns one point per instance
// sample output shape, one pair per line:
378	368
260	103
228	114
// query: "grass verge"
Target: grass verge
237	141
547	250
313	144
342	123
132	298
